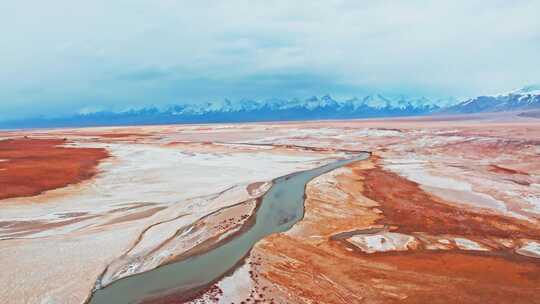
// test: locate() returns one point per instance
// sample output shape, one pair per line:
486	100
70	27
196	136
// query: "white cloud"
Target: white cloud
78	52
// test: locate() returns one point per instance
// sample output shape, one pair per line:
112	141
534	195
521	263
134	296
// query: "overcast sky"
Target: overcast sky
62	56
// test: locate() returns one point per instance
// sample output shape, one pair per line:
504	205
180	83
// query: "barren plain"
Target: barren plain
444	210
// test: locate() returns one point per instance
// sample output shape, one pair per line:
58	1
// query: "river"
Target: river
281	207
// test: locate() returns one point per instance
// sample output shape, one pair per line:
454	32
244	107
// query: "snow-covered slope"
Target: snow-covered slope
525	98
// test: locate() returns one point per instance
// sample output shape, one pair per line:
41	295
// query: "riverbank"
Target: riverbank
280	208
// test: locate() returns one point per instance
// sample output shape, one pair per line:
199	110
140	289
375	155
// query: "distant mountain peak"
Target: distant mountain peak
522	99
533	89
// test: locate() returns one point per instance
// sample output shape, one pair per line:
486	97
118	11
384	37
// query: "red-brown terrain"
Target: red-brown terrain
31	166
311	264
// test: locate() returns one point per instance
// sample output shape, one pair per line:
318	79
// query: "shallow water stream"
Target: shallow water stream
281	207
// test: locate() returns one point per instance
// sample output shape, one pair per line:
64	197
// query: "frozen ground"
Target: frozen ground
167	189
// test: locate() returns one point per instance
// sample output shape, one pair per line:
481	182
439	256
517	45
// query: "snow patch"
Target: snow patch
466	244
383	242
530	249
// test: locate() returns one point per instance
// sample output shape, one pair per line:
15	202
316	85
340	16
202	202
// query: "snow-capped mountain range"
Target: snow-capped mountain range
371	103
244	110
525	98
325	107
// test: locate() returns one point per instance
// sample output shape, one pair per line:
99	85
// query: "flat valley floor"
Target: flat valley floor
444	210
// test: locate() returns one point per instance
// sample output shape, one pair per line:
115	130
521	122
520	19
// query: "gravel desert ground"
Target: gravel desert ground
444	209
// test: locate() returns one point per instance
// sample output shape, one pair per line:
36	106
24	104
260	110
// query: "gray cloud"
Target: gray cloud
144	75
66	55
